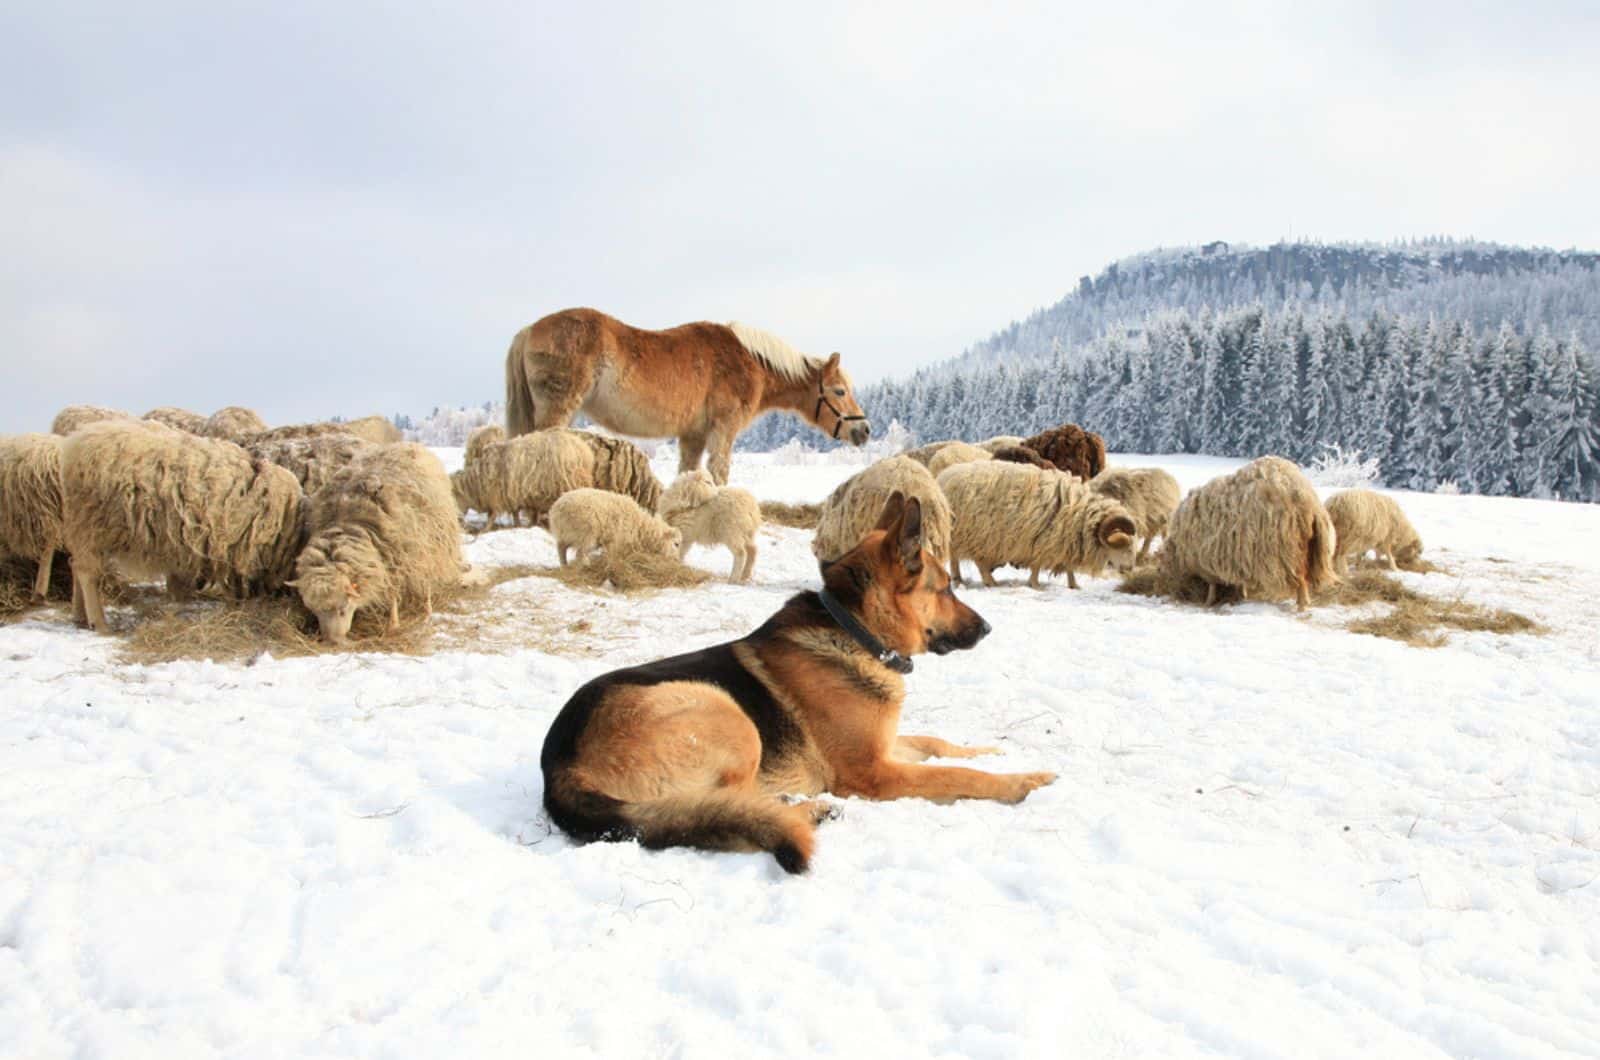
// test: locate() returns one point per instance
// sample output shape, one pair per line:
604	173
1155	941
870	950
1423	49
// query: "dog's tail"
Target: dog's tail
710	820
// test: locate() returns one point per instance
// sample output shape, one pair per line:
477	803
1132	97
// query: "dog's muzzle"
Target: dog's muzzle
960	640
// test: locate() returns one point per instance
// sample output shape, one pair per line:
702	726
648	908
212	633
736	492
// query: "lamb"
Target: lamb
851	511
1019	454
381	533
72	417
1364	520
234	423
527	473
707	514
1261	530
1072	449
1150	494
30	502
1032	517
153	500
956	453
179	419
587	520
313	459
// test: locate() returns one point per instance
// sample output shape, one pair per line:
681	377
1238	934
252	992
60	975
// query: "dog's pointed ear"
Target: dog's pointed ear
893	508
910	536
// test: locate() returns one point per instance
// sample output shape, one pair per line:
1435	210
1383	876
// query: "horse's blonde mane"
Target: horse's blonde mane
773	352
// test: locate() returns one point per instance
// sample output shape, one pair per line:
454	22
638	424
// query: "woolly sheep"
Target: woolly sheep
73	417
1033	517
374	429
179	419
851	511
481	438
313	459
152	500
1072	449
1021	454
708	514
381	533
586	520
999	442
1364	520
924	454
1150	494
956	453
1261	530
30	502
234	423
527	473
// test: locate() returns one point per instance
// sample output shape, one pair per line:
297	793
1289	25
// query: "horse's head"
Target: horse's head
837	412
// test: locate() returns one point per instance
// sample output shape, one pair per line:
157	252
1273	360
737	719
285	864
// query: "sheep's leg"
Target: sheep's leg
1302	595
1390	557
1211	594
1072	579
749	561
88	579
1341	565
988	575
41	581
561	552
1033	579
683	550
79	616
179	587
1144	550
690	448
394	613
954	566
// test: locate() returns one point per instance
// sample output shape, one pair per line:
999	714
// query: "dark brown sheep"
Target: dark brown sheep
1016	454
1071	449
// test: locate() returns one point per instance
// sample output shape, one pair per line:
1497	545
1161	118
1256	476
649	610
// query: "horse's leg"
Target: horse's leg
690	447
721	460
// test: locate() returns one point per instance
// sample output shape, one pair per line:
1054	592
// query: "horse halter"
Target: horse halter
840	419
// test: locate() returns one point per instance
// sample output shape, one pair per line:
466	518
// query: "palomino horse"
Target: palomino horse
699	383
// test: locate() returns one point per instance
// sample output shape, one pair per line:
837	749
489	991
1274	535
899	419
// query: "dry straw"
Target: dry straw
799	516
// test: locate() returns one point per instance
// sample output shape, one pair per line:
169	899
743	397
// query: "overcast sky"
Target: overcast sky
340	208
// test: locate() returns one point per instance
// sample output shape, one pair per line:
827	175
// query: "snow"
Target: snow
1270	837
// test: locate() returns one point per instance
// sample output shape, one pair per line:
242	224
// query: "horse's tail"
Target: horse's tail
519	395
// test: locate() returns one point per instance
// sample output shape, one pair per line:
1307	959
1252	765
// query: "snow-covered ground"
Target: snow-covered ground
1270	837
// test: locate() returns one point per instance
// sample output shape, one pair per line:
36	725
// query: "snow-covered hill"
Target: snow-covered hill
1270	836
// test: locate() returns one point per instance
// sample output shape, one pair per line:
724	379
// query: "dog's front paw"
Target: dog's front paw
821	810
1024	783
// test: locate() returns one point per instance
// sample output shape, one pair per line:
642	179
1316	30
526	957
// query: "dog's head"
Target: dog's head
900	590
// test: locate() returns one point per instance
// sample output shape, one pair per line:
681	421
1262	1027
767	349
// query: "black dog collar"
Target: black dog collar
862	636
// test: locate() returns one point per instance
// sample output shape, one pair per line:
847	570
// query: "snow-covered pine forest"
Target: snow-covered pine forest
1317	358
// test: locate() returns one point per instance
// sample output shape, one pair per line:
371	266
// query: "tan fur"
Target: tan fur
179	419
479	439
382	533
999	442
528	473
313	459
924	454
588	520
1150	494
708	514
376	430
1365	520
72	417
153	500
956	453
1260	530
1034	518
699	383
30	502
680	762
234	423
852	509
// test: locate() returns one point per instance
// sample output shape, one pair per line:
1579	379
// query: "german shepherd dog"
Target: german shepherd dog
696	750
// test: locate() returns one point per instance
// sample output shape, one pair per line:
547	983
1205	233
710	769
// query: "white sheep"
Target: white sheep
851	510
313	458
72	417
1150	494
588	520
234	423
181	419
1033	517
1363	520
527	473
956	453
30	502
707	514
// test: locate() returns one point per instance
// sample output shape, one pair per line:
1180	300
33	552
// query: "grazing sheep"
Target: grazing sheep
1072	449
479	439
1033	517
527	473
924	454
30	502
999	442
1366	520
956	453
72	417
1261	530
381	533
179	419
1150	494
313	459
588	520
708	514
1019	454
153	500
851	511
234	423
374	429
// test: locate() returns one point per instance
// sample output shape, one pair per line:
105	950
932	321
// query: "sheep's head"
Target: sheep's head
668	540
689	490
335	580
1409	553
1116	536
